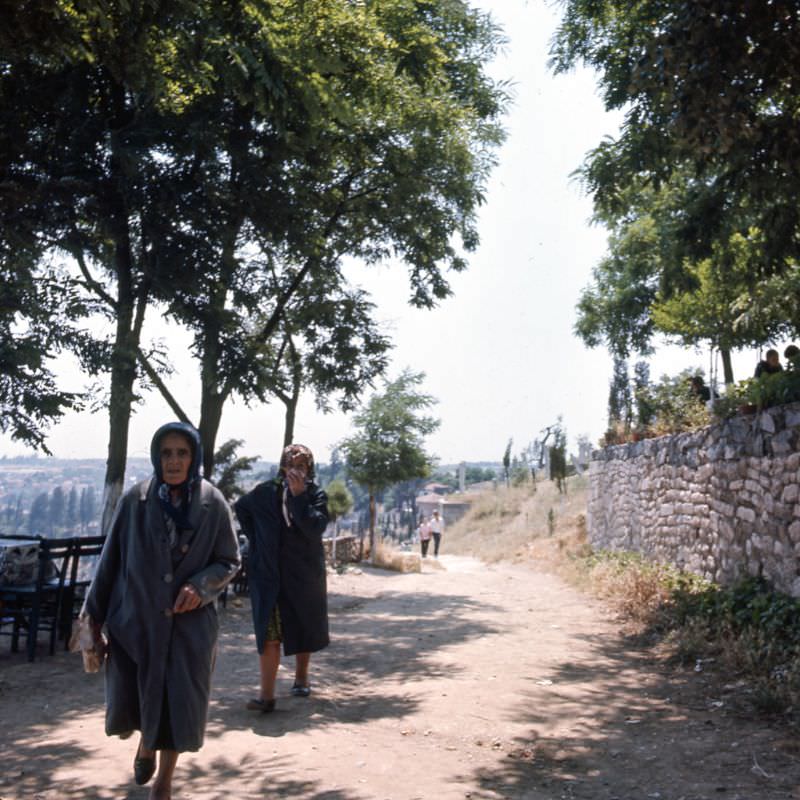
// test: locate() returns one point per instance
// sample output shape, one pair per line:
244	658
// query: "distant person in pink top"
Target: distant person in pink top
424	534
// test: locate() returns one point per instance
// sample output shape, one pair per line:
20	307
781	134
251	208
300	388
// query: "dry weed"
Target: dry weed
510	523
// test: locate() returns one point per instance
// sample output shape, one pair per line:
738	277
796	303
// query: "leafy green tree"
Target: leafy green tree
710	88
476	474
57	509
39	515
340	501
700	187
333	347
519	471
393	164
404	497
90	95
88	507
229	468
615	308
335	468
35	317
507	462
72	515
642	395
558	457
189	132
708	312
649	284
387	446
619	397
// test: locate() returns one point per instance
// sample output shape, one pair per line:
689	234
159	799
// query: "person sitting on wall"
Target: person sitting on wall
770	365
792	356
698	388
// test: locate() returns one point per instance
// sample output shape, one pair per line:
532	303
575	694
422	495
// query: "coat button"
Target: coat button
167	612
168	578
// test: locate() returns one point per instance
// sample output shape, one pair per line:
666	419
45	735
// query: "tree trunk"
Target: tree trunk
288	424
211	405
129	309
291	402
123	376
371	528
727	366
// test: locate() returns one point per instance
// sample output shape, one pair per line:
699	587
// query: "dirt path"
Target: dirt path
462	682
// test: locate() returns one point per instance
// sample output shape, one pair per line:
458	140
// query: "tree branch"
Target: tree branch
91	282
162	387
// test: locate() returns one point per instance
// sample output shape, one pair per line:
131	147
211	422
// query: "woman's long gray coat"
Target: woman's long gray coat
156	655
286	564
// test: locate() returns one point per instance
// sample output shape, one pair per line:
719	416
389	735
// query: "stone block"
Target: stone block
783	443
794	532
790	493
766	422
746	514
792	419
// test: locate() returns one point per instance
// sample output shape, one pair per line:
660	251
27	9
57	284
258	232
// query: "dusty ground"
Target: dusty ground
462	682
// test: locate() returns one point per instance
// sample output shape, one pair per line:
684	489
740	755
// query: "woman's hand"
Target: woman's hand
98	641
187	600
296	479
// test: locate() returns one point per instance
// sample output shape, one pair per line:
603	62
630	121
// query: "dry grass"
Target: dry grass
399	561
518	523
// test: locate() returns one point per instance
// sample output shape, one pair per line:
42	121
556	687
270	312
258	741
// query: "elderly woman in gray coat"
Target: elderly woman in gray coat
169	553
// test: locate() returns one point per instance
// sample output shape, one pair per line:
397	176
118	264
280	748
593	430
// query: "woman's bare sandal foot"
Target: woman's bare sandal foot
159	793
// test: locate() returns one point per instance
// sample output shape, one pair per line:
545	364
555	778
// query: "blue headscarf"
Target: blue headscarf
180	514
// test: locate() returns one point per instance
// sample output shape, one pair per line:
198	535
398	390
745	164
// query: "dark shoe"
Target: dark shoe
143	768
300	691
264	706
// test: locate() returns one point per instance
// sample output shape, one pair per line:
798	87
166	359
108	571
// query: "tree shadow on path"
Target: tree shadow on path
623	725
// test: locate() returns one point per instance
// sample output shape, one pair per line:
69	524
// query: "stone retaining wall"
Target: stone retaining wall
348	548
722	501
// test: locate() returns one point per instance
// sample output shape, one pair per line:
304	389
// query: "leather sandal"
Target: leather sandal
264	706
300	691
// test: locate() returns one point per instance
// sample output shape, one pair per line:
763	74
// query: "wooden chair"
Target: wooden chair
36	606
80	577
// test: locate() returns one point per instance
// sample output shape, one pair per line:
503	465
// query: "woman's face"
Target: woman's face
297	462
176	458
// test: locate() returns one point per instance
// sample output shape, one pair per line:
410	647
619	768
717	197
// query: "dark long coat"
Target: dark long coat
155	654
286	564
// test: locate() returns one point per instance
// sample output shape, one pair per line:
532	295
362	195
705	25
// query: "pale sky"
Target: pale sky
500	354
